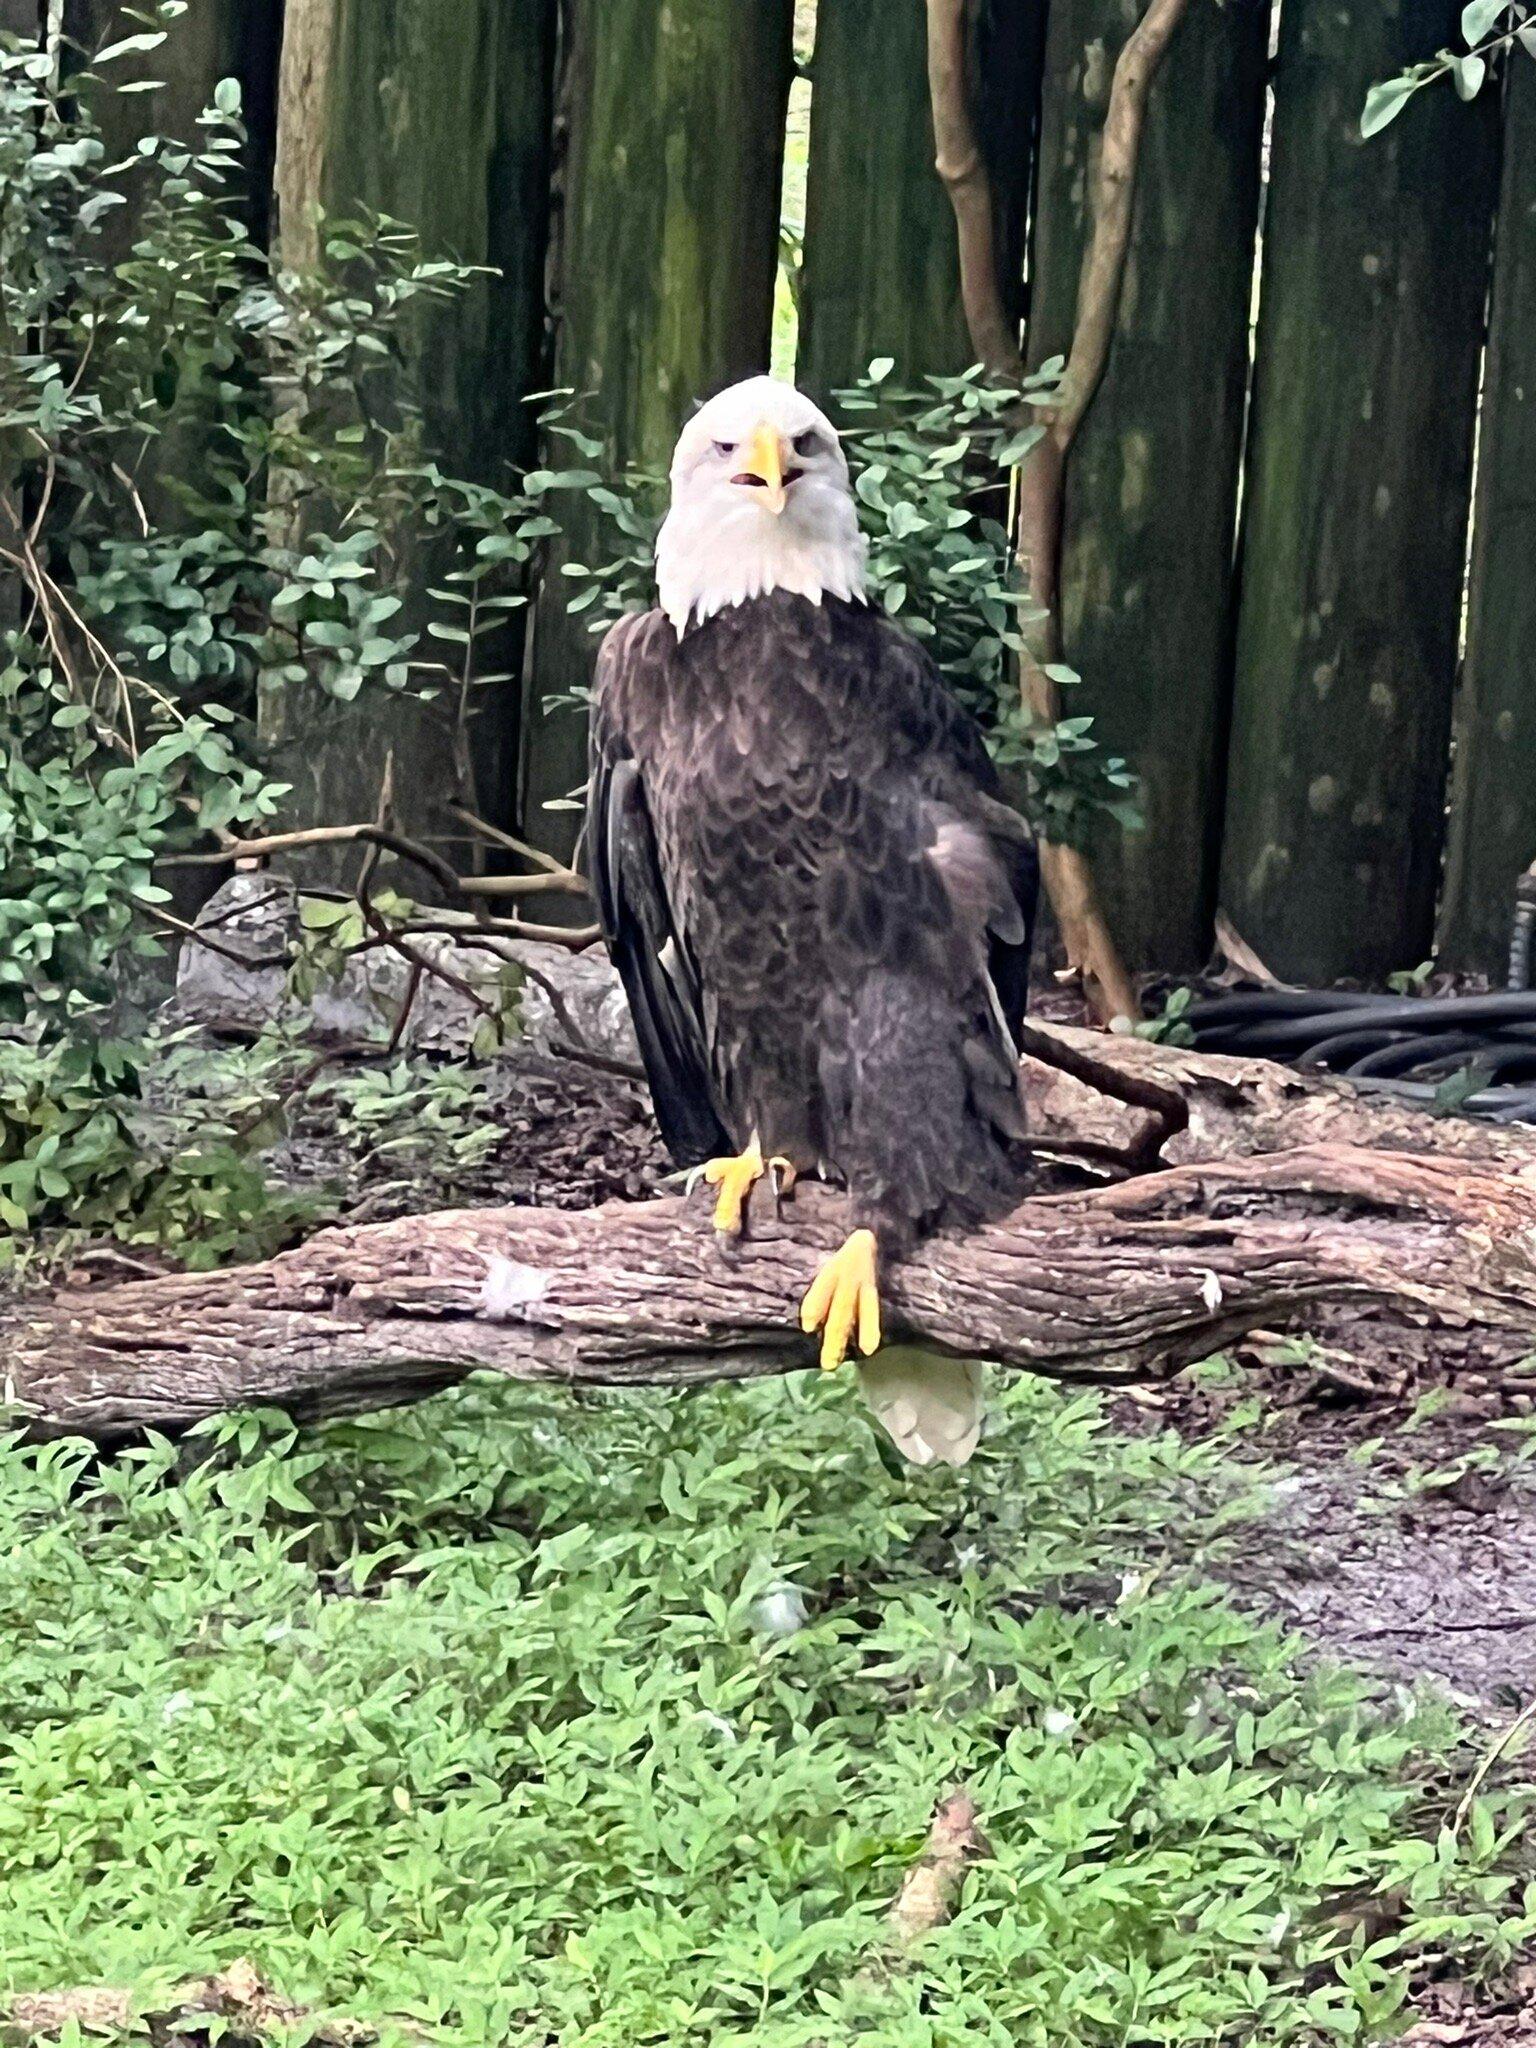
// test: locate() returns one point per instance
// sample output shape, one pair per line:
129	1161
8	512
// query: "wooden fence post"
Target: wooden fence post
437	112
1152	484
1492	825
1370	329
666	276
882	272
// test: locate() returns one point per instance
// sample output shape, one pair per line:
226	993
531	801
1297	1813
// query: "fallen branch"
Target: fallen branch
1234	1107
1167	1111
1109	1286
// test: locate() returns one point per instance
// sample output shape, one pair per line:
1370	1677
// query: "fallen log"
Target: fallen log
1267	1215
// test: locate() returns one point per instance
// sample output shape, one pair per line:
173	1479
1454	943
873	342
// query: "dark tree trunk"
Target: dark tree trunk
214	39
882	271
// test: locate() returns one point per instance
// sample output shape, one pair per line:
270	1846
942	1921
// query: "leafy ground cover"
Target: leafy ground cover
555	1719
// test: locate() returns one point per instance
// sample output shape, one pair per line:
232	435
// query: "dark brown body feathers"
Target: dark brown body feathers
819	905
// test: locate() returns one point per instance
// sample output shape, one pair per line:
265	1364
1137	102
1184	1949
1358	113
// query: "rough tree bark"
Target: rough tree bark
1112	1285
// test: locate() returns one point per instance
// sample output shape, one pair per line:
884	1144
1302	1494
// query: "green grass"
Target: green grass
476	1719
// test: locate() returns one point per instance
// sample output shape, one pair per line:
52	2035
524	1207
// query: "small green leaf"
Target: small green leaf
1478	18
129	46
1383	103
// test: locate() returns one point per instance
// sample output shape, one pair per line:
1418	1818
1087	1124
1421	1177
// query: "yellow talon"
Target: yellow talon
843	1298
736	1178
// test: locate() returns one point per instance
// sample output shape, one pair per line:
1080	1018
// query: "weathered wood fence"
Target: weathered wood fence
1267	582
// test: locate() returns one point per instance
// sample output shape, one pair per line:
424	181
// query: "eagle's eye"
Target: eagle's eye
725	447
808	443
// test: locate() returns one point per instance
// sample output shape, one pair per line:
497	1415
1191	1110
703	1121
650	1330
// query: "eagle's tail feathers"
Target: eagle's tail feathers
929	1405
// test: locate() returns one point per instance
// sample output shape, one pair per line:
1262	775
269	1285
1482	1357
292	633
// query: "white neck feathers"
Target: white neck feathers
707	560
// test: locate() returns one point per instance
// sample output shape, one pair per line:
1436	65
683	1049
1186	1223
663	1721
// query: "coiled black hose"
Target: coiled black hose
1474	1054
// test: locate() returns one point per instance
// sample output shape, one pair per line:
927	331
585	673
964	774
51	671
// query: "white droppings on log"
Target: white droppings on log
509	1288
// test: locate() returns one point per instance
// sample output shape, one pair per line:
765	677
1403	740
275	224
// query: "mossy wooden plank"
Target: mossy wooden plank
881	273
437	112
1370	330
1492	827
1151	498
666	274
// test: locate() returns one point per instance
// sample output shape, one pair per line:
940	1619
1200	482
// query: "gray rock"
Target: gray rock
239	981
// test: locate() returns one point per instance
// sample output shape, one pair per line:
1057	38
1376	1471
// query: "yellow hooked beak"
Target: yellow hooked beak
762	458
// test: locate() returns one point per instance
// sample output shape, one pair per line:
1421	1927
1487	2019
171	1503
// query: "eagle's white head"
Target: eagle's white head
760	501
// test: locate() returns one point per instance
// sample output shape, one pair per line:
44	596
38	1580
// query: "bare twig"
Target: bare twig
1521	1721
959	162
603	1062
198	934
322	835
567	884
419	962
574	938
296	1084
561	876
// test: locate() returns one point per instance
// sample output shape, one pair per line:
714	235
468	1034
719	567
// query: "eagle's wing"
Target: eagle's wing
986	850
649	952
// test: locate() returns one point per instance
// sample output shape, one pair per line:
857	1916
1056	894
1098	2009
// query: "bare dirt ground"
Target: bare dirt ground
1402	1532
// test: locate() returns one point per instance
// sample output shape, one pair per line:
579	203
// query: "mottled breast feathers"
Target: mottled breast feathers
820	906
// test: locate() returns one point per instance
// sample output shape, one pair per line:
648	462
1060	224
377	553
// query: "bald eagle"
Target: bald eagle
819	904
